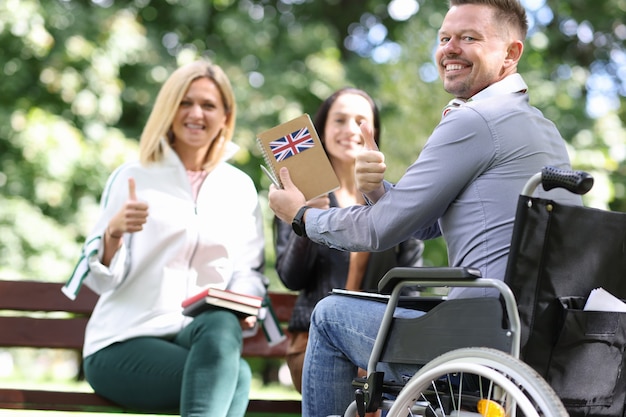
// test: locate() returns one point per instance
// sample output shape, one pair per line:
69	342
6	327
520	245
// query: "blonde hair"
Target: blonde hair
158	126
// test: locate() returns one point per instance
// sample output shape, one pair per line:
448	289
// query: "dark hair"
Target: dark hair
509	11
321	116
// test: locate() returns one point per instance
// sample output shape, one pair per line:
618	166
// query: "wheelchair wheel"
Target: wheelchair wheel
477	382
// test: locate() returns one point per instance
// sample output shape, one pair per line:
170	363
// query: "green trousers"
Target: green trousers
199	372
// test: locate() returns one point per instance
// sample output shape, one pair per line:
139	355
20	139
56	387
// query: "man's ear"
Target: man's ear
514	53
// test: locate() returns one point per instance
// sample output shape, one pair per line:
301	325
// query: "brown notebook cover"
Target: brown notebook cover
296	145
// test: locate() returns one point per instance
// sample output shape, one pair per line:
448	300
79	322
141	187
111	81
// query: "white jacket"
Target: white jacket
184	246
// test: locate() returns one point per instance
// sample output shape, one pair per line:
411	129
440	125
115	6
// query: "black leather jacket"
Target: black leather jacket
314	269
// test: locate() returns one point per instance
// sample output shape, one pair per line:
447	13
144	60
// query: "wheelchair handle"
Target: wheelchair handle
577	182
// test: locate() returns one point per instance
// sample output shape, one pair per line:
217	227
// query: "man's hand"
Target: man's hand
131	217
285	202
370	166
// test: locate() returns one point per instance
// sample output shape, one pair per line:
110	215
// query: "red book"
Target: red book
241	304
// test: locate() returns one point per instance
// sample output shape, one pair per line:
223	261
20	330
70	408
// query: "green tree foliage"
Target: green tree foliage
79	78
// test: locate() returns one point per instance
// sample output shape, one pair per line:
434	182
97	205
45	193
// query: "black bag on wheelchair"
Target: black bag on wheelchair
559	254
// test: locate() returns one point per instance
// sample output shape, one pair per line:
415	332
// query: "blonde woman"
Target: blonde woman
179	219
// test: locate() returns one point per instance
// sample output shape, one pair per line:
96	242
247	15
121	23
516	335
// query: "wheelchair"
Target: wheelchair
534	351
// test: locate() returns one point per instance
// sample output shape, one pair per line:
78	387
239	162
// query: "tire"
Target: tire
519	390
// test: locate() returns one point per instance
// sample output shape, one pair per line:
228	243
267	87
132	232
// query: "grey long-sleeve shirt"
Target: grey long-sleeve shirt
464	185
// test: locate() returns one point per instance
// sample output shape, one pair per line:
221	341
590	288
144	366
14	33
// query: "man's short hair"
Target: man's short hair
510	11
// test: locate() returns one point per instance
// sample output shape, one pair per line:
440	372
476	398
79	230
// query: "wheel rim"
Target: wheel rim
423	381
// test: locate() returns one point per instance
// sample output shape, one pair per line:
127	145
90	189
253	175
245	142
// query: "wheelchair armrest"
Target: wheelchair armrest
397	278
396	275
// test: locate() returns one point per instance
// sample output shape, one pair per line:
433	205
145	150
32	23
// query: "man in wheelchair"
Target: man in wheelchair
463	186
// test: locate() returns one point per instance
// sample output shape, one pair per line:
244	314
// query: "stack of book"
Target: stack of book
241	304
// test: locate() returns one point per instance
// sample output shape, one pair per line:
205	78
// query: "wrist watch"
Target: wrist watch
298	223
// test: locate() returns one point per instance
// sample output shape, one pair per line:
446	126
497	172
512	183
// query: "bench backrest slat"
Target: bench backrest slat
43	296
42	333
20	328
47	296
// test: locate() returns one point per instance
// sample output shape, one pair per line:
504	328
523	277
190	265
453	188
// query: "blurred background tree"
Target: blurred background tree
79	78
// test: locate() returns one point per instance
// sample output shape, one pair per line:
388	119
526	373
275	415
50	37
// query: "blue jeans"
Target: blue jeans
342	334
199	372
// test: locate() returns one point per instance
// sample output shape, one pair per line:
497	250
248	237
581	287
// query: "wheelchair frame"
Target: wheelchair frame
368	395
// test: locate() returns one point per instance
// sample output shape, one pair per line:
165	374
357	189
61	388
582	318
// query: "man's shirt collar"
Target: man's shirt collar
513	83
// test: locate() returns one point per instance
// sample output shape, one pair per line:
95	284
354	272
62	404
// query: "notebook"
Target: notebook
296	145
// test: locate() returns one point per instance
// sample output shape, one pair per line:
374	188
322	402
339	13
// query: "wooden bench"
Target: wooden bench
23	325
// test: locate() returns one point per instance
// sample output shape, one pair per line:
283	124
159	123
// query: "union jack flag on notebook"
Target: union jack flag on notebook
292	144
310	171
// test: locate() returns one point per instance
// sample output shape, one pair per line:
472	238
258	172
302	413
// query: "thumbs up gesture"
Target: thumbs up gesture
369	167
131	217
